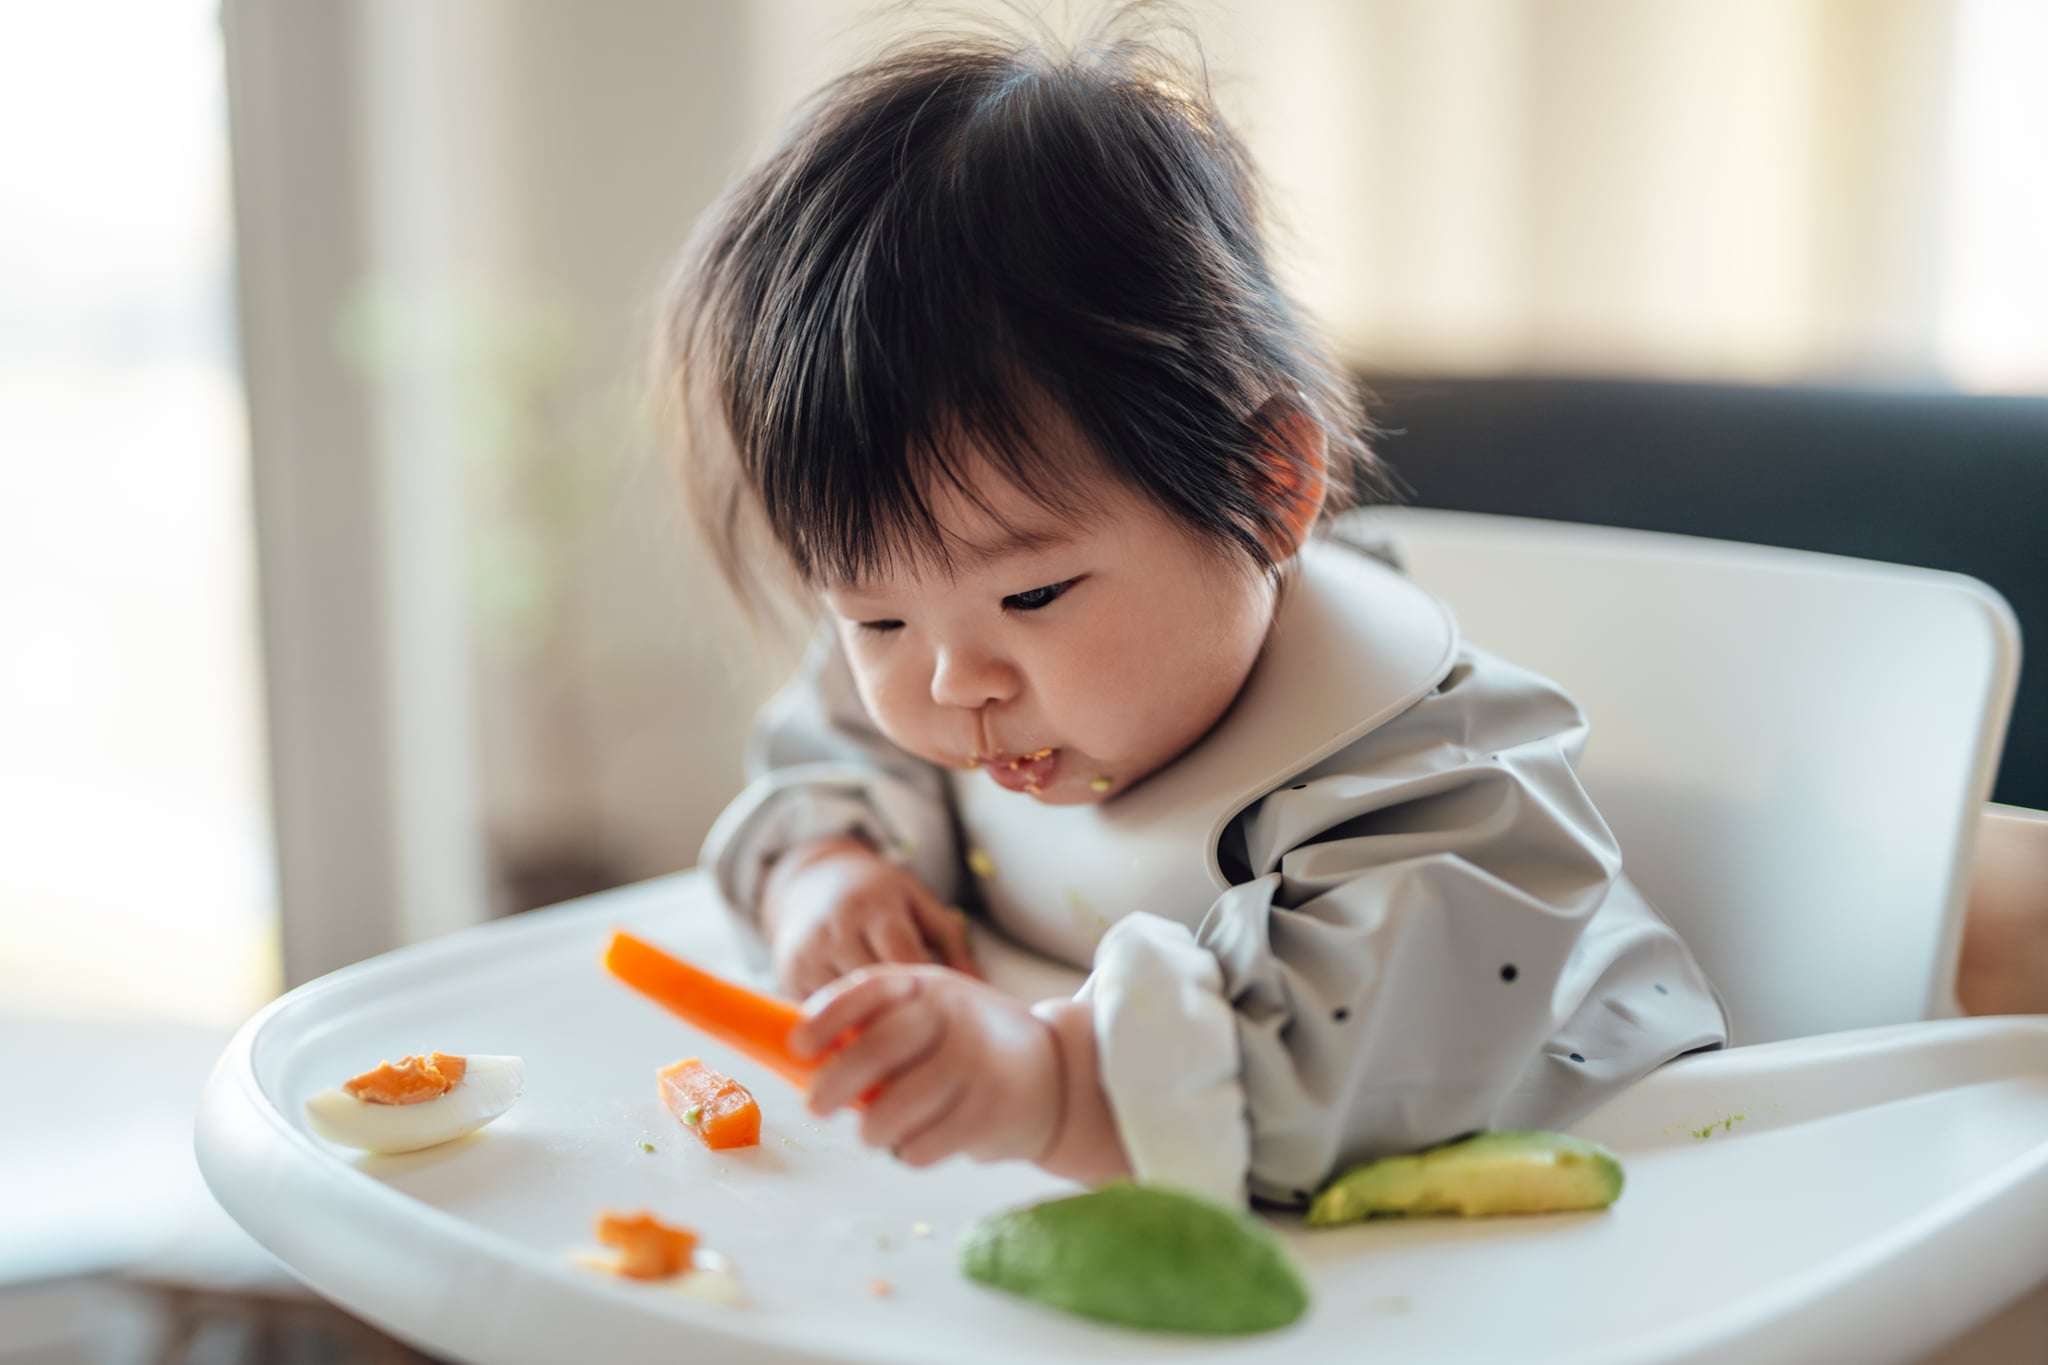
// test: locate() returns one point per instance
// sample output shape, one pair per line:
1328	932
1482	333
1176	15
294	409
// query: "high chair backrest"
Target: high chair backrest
1792	748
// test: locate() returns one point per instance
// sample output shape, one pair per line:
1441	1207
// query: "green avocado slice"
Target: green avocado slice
1489	1173
1144	1256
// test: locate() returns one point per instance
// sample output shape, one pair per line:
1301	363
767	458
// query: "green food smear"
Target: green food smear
1143	1256
1489	1173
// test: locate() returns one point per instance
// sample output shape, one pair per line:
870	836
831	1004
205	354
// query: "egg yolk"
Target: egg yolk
412	1080
649	1249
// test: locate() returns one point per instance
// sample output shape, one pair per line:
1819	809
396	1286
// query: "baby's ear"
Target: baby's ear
1293	470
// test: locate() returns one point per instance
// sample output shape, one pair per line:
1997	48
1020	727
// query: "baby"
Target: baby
988	357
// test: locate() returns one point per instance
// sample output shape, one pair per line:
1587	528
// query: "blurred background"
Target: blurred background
345	598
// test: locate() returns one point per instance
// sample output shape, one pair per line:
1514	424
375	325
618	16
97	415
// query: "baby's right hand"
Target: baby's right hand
836	905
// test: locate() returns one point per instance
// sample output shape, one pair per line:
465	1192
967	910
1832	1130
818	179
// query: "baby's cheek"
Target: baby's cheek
1121	689
898	703
1149	725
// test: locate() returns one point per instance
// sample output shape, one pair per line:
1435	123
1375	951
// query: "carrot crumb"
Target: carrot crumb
881	1289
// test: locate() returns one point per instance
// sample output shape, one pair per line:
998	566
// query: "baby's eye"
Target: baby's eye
1036	598
879	627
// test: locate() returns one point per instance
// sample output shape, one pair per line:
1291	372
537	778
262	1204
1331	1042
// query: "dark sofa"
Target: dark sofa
1941	480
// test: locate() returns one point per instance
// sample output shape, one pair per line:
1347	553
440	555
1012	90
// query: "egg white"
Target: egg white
489	1086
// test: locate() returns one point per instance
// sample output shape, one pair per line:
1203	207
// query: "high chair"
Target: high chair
1792	750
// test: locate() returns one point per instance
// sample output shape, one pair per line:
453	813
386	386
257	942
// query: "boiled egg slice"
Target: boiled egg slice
417	1102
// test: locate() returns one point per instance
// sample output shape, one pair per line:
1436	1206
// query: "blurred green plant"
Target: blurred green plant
544	452
505	379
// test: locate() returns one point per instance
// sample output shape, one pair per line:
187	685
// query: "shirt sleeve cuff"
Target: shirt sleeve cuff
1167	1042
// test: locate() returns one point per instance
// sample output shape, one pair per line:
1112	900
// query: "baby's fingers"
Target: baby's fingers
946	931
891	1042
801	969
895	938
917	1101
846	1004
961	1127
822	960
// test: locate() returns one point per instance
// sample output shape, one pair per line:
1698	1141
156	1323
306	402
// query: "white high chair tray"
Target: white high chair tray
1862	1196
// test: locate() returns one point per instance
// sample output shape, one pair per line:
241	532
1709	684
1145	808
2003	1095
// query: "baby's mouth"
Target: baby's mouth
1031	773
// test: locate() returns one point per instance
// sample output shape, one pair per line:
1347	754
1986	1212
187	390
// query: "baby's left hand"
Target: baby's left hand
945	1064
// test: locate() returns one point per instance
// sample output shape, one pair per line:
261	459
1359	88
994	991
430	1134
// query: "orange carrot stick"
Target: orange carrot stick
756	1024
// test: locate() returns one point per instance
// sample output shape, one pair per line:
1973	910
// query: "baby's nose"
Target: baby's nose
972	678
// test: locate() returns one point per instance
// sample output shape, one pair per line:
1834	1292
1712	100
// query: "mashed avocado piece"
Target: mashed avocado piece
1143	1256
1489	1173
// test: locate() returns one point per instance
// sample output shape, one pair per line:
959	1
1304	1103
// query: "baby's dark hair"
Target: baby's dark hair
955	236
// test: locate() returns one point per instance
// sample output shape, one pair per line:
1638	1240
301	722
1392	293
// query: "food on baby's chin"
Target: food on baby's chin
1489	1173
1143	1256
648	1248
716	1108
419	1101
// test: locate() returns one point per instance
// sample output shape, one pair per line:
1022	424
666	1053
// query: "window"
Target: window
1992	336
137	872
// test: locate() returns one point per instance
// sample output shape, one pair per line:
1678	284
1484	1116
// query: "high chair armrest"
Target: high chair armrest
2004	963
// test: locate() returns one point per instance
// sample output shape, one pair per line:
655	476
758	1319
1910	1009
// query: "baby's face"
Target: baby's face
1067	668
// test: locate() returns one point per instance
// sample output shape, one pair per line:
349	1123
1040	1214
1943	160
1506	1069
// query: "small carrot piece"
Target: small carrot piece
649	1249
716	1108
756	1024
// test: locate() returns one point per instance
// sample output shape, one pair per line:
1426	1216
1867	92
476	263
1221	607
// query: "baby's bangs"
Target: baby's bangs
897	421
897	345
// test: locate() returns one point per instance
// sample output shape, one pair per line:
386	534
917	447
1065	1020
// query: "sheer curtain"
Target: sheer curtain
135	865
1765	190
